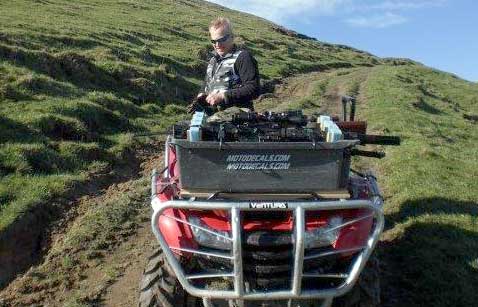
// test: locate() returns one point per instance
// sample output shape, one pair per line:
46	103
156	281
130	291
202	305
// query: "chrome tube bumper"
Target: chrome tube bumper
299	209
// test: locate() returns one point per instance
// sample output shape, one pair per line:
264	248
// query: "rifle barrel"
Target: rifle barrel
379	139
370	154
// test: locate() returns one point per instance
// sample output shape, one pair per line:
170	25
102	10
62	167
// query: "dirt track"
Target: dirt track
112	278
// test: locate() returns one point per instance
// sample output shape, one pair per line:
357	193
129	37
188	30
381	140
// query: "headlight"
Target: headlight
211	238
323	236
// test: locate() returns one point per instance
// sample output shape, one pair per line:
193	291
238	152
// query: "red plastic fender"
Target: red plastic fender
356	234
172	163
176	234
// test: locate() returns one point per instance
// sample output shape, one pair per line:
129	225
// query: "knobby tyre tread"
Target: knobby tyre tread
159	286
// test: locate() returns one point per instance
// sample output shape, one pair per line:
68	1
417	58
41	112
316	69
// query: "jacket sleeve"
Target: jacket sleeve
246	68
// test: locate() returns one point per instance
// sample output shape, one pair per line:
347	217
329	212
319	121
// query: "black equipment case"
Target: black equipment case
263	167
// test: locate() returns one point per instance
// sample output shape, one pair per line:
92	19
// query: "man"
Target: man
232	76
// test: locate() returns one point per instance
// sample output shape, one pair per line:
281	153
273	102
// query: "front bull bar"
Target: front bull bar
298	208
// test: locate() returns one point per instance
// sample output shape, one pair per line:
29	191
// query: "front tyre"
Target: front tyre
159	286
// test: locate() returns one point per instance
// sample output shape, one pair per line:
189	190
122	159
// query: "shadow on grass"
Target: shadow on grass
176	31
434	205
14	132
141	41
434	262
41	85
428	108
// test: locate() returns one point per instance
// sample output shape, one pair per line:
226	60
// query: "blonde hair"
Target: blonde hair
221	22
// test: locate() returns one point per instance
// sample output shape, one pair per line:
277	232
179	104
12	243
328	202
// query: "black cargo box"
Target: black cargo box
275	167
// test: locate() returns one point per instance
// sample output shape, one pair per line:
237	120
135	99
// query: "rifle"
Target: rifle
373	139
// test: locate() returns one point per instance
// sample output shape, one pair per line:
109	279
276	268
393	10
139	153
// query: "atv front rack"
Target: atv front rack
299	209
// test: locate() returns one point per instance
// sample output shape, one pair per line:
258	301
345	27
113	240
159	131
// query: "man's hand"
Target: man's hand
215	98
198	104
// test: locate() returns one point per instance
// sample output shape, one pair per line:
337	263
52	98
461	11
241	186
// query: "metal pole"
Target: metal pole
237	251
299	230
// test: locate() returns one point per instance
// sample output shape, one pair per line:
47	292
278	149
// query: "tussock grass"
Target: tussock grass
61	127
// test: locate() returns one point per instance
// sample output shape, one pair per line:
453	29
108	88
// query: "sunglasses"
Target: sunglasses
220	40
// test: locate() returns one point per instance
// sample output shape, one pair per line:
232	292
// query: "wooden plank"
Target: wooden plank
340	194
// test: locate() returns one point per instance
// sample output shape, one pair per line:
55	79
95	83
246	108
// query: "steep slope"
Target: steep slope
78	79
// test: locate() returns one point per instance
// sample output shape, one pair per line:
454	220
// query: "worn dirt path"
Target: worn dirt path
133	255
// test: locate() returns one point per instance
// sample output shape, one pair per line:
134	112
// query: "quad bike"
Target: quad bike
263	209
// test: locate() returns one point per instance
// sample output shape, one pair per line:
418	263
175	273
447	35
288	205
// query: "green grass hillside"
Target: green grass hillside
431	246
79	78
429	251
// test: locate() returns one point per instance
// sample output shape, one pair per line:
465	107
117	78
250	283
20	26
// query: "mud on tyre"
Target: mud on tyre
159	286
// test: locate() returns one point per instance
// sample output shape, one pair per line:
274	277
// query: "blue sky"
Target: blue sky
442	33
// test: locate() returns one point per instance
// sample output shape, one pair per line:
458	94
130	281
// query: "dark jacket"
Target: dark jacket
235	73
